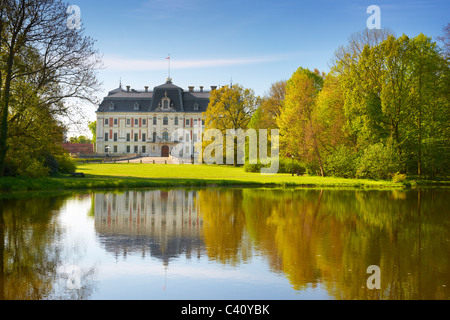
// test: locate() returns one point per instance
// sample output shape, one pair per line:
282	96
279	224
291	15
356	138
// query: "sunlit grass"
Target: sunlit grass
215	173
136	175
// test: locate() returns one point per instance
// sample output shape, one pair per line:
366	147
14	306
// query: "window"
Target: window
195	122
111	106
144	122
136	122
128	149
165	121
144	149
166	104
115	122
106	122
115	136
203	122
136	136
128	137
176	121
154	136
106	149
196	106
187	122
154	121
106	137
128	122
135	149
115	149
195	137
136	106
165	136
143	137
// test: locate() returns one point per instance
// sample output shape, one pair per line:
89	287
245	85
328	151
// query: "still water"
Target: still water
189	244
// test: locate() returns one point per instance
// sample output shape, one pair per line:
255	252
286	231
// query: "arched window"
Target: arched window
165	121
154	136
176	121
166	104
154	120
165	136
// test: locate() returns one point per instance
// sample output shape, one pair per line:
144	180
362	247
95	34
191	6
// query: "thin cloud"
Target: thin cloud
119	63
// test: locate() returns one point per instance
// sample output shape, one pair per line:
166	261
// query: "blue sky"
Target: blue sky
254	43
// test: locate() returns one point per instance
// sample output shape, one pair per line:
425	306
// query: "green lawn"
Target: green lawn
171	175
218	174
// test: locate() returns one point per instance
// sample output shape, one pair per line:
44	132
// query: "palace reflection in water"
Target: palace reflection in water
322	239
163	224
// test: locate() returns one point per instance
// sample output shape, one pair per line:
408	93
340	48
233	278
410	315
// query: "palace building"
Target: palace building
151	123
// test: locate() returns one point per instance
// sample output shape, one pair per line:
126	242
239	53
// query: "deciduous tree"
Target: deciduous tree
230	108
299	129
38	48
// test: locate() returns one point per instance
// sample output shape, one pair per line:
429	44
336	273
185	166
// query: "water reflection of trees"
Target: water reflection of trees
30	249
331	237
326	237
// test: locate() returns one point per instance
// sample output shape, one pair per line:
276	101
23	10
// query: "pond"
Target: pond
224	243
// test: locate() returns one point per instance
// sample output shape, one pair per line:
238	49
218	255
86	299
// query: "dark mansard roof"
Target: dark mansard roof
130	100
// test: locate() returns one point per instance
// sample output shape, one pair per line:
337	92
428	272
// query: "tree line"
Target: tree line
381	112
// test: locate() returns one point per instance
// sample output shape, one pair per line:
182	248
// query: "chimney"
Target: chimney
191	89
146	88
128	88
201	88
213	88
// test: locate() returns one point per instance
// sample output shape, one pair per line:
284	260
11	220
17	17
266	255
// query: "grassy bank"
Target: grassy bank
102	176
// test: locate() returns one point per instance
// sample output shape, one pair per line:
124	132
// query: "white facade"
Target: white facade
137	133
151	123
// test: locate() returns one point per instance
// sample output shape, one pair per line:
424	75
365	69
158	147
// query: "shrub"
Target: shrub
291	166
379	161
398	177
23	164
286	166
66	163
51	163
341	163
253	167
33	168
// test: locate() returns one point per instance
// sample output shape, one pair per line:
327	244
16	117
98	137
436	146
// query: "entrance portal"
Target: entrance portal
164	151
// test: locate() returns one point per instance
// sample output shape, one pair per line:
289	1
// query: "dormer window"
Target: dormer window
166	104
111	106
196	106
136	106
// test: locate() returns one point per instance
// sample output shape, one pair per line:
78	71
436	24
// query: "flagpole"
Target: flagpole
169	67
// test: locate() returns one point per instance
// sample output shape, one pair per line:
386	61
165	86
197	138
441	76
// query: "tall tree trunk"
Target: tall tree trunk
316	148
5	111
